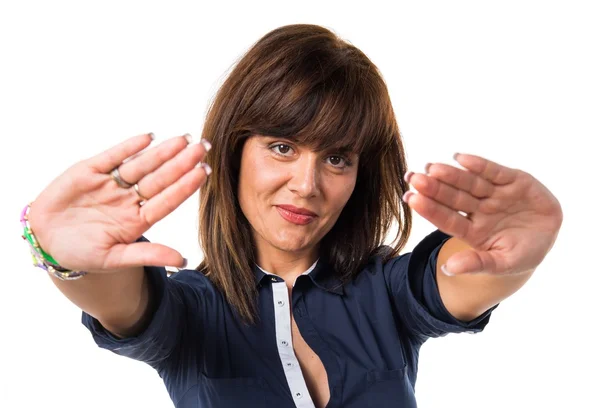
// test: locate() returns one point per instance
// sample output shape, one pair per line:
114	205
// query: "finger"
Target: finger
111	158
135	169
461	179
172	170
445	194
444	218
142	254
489	170
164	203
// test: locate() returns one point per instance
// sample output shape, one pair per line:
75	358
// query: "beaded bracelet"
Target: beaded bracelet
41	259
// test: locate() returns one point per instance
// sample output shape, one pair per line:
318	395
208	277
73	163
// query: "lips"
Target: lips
295	217
297	210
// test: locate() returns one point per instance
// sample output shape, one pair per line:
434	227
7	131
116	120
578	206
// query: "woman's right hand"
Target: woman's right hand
85	221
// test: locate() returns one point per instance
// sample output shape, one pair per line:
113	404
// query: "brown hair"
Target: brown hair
303	82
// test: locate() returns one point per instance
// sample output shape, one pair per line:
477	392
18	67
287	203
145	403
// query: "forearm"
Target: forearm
118	299
468	296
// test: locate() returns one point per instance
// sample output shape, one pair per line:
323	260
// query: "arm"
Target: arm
502	222
119	300
411	282
88	220
469	295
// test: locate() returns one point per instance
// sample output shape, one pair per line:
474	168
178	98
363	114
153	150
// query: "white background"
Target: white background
514	81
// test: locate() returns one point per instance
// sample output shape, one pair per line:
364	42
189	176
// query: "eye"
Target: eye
281	149
338	162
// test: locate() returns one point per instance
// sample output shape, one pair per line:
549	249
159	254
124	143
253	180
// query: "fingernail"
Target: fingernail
406	196
152	136
188	137
455	155
185	262
446	271
206	144
408	175
427	166
207	169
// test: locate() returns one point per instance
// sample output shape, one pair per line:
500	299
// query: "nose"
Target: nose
304	177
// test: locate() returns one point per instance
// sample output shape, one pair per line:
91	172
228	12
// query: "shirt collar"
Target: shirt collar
319	273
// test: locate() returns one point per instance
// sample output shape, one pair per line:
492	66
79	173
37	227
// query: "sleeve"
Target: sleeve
412	283
162	334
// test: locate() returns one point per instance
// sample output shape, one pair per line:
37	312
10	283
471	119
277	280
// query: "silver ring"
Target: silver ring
116	176
140	195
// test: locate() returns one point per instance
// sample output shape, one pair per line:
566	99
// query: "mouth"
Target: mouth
298	216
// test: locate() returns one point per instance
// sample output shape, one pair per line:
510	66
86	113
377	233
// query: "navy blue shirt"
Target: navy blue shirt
367	333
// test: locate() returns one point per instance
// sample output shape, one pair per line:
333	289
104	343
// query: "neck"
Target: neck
287	265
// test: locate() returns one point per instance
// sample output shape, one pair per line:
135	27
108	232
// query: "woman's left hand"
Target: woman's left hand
511	220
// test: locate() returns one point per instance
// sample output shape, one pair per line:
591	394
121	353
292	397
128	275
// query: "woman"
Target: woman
297	302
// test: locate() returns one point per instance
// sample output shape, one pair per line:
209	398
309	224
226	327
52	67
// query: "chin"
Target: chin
290	243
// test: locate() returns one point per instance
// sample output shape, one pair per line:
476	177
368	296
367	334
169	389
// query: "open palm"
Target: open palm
87	222
508	218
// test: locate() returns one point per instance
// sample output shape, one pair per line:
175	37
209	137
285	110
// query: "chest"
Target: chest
281	361
313	369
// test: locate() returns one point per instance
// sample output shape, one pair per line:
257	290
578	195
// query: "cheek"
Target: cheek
340	192
258	179
347	193
268	176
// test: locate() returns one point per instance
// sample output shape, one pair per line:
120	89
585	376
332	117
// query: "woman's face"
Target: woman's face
279	180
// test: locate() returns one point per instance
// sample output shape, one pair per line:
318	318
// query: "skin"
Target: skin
276	171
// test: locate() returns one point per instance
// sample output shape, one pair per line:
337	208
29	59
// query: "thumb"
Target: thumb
469	261
145	254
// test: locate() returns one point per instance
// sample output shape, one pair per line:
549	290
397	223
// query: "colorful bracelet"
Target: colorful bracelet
41	259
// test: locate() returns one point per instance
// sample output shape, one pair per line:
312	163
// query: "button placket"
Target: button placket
283	332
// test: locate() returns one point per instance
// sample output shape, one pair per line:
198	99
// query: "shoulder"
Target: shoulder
190	277
379	270
414	260
382	265
399	270
194	283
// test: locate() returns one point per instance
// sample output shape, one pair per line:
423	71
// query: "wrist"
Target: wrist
40	257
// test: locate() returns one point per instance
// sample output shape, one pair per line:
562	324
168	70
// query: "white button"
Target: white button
280	303
298	395
284	343
289	364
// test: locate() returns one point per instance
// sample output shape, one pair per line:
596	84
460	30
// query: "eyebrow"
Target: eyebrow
346	149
